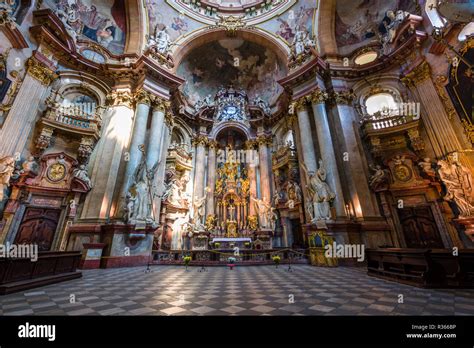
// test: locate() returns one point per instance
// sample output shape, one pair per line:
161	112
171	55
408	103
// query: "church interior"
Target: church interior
312	142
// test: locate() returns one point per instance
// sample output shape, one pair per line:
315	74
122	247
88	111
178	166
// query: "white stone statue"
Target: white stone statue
320	192
129	207
180	221
208	101
160	41
264	211
301	42
81	173
199	208
459	185
30	166
142	206
7	167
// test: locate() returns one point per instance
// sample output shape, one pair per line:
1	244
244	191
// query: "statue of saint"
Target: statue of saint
199	208
162	39
264	211
321	194
7	167
459	185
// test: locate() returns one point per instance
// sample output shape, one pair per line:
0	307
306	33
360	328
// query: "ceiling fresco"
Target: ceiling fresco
236	62
164	16
301	15
101	21
360	21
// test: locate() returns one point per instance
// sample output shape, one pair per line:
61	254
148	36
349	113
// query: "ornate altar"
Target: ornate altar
232	197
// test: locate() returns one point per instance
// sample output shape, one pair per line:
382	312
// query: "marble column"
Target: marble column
264	142
200	142
160	173
326	148
252	173
159	107
440	131
309	155
143	102
22	116
211	176
363	201
109	153
154	148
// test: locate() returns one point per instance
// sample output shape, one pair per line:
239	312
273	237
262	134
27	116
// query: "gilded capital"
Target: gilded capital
200	140
250	144
317	96
344	97
120	98
161	104
298	105
421	73
40	72
143	97
264	140
212	144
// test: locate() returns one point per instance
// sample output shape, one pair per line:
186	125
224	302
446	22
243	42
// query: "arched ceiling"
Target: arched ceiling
226	61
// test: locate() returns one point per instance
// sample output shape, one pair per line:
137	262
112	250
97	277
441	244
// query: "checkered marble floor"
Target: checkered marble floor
250	290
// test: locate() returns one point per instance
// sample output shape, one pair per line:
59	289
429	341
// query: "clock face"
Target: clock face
56	172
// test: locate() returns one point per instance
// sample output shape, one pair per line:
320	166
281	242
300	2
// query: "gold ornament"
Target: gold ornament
421	73
56	172
40	72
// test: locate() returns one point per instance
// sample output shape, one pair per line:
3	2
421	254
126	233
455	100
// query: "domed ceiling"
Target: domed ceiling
232	61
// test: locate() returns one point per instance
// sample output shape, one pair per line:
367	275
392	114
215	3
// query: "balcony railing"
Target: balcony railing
376	122
78	116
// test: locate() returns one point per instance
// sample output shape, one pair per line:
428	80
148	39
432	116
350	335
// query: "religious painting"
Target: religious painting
299	16
165	17
100	21
235	62
359	21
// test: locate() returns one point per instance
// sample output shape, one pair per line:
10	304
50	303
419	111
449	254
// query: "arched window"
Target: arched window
467	31
383	104
288	138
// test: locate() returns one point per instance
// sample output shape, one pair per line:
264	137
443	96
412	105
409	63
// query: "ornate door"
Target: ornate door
38	227
419	227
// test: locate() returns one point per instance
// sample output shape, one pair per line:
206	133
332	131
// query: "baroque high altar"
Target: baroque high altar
208	127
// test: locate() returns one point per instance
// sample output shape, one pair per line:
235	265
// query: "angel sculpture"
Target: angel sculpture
379	178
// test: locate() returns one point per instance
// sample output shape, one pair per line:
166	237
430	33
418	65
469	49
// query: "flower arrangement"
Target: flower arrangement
187	260
276	259
231	263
